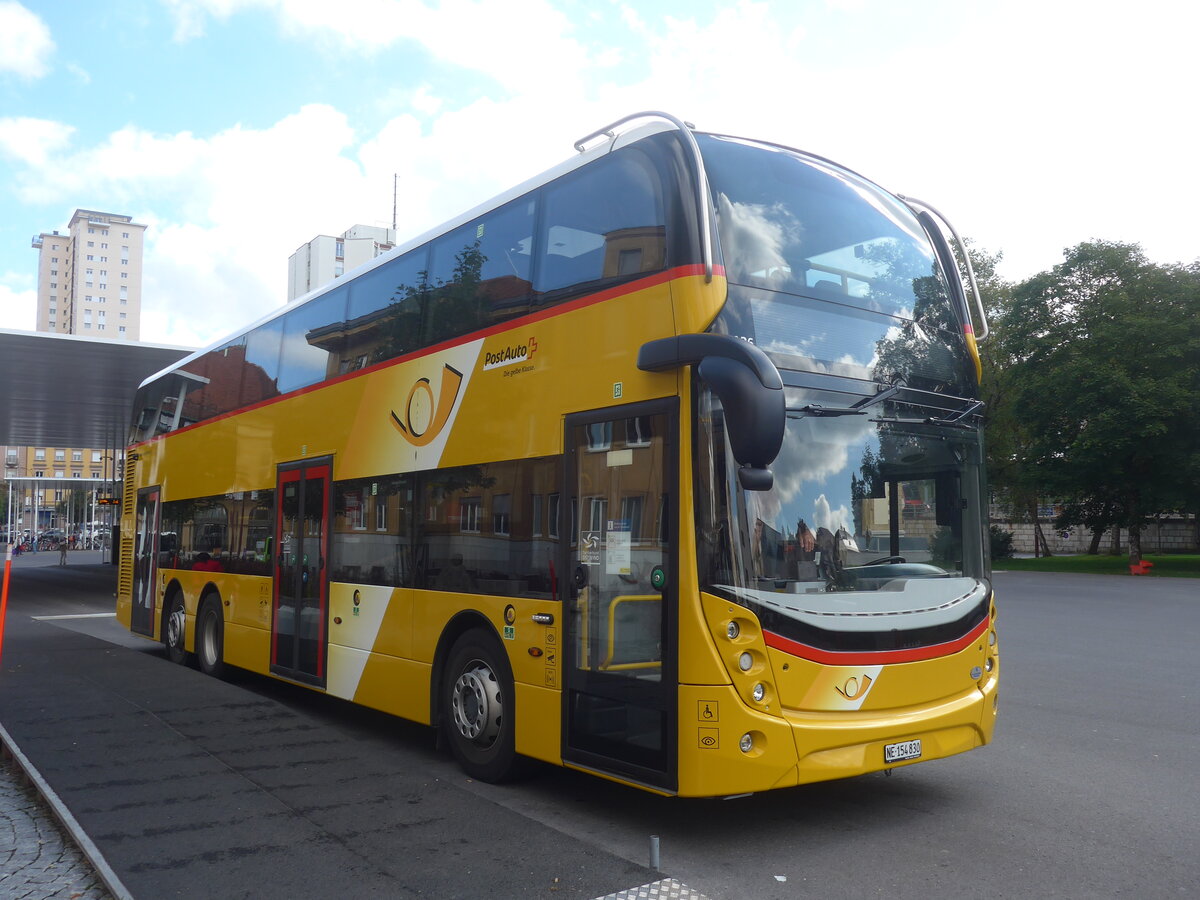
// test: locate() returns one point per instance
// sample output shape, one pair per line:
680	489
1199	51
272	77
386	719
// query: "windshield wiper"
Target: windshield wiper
954	421
857	409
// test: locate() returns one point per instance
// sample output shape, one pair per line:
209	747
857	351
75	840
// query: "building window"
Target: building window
597	513
469	509
76	456
599	436
381	514
552	516
501	513
637	432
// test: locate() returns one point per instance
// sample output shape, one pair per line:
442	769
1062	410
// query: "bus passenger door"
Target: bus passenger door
145	561
299	621
619	692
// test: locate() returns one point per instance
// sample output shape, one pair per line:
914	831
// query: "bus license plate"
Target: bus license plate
902	751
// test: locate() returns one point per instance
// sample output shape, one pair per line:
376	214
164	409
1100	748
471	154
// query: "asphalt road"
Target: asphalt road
1087	791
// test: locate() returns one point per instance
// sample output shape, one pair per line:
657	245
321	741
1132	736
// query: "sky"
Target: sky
237	130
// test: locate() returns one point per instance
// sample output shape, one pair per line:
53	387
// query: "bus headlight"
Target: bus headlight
745	662
746	743
759	692
732	631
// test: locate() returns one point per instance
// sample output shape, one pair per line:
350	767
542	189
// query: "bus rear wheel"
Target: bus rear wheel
477	708
210	637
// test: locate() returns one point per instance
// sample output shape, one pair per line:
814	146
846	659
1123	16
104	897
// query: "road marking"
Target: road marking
111	615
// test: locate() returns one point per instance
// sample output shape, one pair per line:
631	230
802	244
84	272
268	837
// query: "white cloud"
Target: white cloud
517	42
32	141
18	306
25	42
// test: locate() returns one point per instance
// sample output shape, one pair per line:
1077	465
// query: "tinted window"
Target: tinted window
804	226
479	273
371	532
603	224
261	373
217	388
232	529
384	318
313	335
479	530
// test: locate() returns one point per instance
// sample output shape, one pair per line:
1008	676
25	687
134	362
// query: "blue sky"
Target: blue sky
239	129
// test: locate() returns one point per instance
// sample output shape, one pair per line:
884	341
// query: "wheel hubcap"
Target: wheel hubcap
476	704
175	626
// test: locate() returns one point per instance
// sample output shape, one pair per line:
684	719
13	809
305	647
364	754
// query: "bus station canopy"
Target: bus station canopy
60	390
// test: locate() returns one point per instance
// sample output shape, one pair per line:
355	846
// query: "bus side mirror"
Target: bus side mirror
750	390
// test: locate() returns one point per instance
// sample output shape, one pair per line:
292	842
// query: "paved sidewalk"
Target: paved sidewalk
31	560
37	861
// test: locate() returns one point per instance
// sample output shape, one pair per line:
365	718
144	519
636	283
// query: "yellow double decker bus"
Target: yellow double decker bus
665	465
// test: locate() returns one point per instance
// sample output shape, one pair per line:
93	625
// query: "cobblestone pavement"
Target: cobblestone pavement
37	861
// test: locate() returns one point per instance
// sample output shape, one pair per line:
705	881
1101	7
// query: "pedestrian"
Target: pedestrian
62	551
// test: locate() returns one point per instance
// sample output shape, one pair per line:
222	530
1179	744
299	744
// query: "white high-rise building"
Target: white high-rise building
89	284
325	258
90	279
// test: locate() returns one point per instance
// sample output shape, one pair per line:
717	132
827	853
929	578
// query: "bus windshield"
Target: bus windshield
880	510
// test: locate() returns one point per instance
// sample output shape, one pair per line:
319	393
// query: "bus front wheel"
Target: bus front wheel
175	630
477	708
210	637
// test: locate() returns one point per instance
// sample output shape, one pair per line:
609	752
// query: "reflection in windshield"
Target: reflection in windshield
863	503
800	225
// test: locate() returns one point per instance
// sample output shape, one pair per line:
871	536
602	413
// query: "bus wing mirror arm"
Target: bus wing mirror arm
750	390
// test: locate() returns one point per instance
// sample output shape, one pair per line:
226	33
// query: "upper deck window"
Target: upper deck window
603	223
804	226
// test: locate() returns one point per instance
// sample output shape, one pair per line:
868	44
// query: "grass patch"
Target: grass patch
1173	565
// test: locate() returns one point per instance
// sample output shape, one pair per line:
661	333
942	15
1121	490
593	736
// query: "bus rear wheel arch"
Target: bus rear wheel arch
210	636
476	707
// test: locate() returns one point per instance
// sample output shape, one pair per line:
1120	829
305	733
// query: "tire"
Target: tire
210	637
477	709
175	630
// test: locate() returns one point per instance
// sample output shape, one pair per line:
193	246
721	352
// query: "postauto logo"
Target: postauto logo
511	355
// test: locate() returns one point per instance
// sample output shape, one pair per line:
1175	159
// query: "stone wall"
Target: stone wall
1164	535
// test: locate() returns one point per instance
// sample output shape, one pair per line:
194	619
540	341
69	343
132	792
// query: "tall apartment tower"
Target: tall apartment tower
325	258
90	279
89	284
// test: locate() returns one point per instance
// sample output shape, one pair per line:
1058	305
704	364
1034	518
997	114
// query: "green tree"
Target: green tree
1098	357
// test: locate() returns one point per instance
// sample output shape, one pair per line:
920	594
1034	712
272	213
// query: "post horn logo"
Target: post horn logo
854	689
424	415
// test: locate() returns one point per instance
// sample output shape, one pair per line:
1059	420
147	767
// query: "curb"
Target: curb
73	829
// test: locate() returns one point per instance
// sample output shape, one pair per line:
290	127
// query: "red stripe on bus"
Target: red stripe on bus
520	322
872	657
